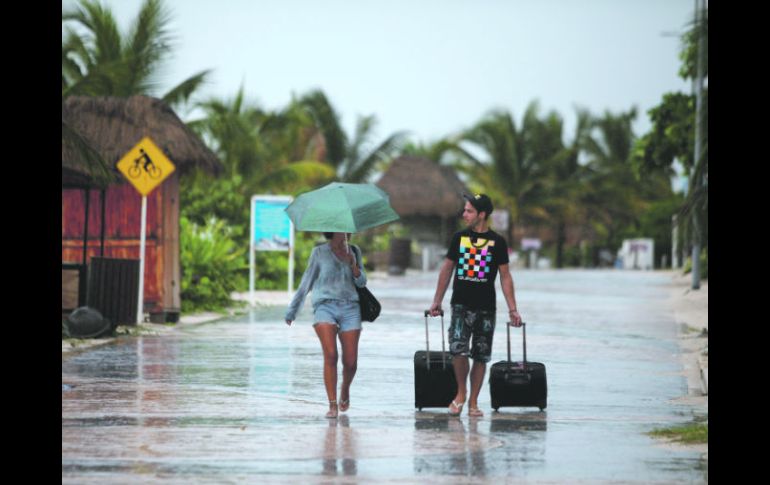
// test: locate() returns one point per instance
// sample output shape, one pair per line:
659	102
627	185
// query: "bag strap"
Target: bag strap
358	261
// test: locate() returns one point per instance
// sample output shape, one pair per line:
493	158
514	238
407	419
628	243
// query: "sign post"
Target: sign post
271	230
145	166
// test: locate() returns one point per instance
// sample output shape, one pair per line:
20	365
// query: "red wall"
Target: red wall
122	215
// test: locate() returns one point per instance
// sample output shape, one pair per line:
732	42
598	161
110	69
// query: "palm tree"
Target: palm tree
353	160
231	128
267	150
102	62
516	162
615	198
567	184
673	135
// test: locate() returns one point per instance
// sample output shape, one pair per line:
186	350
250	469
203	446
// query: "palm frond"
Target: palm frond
297	176
327	120
181	93
91	161
148	42
382	154
103	34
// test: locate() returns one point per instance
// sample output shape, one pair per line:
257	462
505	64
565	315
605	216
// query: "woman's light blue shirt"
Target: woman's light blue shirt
329	278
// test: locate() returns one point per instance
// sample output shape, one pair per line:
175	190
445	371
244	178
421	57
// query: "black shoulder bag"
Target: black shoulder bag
370	307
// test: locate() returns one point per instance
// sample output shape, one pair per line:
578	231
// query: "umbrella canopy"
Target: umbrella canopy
341	207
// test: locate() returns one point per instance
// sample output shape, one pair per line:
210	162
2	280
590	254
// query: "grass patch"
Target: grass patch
137	330
689	434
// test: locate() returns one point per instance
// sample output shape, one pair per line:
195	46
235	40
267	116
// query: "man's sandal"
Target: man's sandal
459	408
332	412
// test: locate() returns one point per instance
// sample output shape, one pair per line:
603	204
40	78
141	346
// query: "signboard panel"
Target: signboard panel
272	229
145	166
530	243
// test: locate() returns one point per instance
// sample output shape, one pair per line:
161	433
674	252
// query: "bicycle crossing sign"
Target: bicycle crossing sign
145	166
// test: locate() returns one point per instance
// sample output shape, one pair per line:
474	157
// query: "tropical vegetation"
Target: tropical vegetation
677	130
587	190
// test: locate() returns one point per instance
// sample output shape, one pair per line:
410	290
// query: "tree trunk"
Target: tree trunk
699	11
561	238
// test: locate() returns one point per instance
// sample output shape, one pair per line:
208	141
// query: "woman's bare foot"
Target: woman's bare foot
344	400
332	410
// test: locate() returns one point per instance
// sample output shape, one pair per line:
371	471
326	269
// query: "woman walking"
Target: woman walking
332	271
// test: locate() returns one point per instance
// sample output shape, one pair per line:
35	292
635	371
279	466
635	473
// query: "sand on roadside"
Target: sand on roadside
690	310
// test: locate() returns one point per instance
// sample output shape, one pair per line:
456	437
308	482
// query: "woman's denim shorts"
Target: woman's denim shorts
345	314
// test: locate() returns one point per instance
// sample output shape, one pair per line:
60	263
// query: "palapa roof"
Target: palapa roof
421	187
112	126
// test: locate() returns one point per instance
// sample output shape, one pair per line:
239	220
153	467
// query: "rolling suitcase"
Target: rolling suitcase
434	376
520	384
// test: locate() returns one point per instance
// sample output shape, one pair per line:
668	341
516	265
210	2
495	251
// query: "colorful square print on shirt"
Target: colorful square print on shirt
475	259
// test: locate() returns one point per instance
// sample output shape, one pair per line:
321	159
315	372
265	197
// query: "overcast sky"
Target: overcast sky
432	67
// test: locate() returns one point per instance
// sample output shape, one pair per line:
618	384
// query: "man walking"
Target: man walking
475	257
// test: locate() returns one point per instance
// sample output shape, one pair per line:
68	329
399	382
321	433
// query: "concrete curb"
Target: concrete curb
73	346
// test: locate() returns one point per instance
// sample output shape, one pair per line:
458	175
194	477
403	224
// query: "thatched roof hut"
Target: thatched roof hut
112	126
428	197
101	210
421	187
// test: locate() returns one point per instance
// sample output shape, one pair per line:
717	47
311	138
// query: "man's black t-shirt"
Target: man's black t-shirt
478	256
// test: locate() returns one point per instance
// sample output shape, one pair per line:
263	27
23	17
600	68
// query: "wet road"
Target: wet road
242	400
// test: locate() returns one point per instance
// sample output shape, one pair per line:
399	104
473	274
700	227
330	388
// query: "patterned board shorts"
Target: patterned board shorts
466	323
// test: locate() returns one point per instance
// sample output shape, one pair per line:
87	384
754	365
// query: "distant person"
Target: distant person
475	257
332	271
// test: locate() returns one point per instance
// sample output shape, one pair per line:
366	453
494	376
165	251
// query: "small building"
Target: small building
428	198
637	254
103	219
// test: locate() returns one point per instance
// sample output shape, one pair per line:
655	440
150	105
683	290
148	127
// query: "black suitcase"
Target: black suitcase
434	376
520	384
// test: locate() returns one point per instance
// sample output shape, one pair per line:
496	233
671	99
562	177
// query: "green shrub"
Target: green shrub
704	265
212	265
271	268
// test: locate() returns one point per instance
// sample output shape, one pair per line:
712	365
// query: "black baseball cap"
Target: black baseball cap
480	202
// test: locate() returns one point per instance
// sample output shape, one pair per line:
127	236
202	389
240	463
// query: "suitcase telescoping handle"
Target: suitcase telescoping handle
524	341
427	339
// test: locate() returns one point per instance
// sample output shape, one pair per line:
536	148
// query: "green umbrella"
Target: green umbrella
341	207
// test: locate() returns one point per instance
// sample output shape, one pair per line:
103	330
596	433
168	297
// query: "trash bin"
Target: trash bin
113	288
400	256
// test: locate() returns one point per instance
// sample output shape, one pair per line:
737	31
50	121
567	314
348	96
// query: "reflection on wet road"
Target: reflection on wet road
235	400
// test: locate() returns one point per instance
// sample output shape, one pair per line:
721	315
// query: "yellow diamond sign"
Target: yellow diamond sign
145	166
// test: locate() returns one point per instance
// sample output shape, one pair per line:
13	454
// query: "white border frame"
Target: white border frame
252	249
